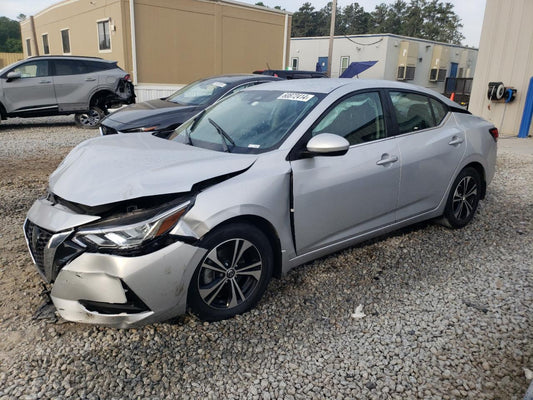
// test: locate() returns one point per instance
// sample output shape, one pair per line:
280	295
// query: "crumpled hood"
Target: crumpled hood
150	112
121	167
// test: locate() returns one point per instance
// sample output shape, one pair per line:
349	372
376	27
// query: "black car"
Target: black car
289	74
161	116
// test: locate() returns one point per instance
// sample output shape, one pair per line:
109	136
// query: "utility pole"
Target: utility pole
331	34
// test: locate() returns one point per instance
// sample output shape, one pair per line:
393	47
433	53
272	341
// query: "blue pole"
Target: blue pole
528	112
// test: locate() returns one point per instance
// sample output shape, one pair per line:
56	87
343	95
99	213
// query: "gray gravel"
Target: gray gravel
448	313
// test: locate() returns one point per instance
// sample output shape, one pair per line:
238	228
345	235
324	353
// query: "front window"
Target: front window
247	122
65	39
358	119
32	69
199	92
104	40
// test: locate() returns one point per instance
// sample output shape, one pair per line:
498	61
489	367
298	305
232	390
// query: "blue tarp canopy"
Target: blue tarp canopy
356	68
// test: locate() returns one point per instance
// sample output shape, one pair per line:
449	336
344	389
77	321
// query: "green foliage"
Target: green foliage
425	19
10	39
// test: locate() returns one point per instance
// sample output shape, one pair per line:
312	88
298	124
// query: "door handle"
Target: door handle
456	140
44	81
90	79
386	159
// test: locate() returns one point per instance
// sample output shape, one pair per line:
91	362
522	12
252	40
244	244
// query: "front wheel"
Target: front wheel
90	119
234	273
463	199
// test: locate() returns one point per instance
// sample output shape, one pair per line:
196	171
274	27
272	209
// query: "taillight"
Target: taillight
127	78
494	133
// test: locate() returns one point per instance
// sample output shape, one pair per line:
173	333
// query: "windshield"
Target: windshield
248	121
199	92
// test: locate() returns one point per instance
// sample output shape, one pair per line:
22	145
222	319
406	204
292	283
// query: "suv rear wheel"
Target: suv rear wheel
90	119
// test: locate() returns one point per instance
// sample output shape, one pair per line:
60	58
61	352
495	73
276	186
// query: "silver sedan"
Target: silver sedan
136	229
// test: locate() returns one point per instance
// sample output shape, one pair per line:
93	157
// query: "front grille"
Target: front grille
37	239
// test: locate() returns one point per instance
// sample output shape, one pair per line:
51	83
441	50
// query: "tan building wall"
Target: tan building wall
505	55
203	38
177	41
10	58
80	17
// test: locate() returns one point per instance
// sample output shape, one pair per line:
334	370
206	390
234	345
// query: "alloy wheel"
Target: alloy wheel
465	198
229	274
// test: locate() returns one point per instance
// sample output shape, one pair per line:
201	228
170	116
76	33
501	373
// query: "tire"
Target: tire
234	273
90	119
463	199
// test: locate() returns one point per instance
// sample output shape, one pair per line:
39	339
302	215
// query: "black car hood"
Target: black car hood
148	113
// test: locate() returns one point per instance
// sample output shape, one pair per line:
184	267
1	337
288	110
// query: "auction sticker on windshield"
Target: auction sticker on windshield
296	96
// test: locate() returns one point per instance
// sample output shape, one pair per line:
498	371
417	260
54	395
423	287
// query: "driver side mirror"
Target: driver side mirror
328	144
11	76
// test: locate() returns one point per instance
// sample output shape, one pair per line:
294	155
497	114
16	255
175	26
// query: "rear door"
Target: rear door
33	91
431	147
339	197
74	84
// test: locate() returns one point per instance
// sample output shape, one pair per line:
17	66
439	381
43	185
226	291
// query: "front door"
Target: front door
339	197
33	91
322	64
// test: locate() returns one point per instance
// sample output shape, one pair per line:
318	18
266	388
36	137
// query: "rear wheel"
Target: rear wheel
90	119
234	273
463	199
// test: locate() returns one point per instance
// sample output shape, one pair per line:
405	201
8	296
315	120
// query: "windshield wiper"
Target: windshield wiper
224	135
188	131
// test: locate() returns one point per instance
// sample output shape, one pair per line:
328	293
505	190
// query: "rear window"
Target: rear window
76	67
413	111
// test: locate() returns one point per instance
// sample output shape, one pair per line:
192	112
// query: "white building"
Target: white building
422	62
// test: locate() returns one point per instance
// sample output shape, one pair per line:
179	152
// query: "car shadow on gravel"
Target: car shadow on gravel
24	126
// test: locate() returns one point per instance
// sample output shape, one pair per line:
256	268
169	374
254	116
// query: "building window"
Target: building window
345	62
104	40
294	63
65	38
28	47
46	47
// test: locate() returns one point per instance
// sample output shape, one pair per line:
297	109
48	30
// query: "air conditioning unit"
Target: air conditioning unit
433	74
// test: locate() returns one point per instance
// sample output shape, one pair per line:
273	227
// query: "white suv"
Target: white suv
60	85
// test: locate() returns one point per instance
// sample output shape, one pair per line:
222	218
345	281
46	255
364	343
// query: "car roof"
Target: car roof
239	78
329	85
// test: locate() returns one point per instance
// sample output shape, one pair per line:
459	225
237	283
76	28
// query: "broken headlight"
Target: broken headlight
132	230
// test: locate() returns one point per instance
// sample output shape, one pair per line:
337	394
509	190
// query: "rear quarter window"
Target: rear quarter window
439	109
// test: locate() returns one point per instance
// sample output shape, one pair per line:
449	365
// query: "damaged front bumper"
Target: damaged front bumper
107	289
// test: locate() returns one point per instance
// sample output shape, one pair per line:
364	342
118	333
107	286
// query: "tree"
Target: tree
353	20
425	19
304	22
10	39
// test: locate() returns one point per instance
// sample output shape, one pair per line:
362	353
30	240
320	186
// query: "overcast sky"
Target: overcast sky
470	11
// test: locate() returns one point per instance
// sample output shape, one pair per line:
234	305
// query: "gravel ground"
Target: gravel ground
448	313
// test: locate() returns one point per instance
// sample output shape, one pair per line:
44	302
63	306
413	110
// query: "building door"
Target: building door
451	81
453	70
322	64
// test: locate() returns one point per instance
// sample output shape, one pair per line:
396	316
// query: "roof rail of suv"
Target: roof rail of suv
62	55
